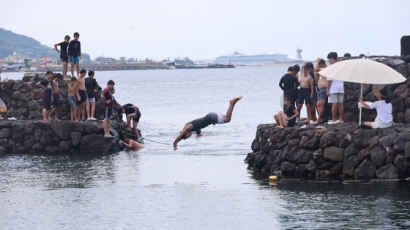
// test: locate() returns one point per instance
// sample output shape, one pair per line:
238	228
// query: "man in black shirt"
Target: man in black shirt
210	119
91	88
74	52
63	54
287	118
289	83
47	85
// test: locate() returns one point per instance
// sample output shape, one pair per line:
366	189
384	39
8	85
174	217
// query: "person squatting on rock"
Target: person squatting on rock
335	92
74	52
384	110
64	55
210	119
133	113
72	99
305	92
56	97
47	85
91	88
81	95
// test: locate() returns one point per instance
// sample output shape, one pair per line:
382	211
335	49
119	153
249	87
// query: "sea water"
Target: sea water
203	185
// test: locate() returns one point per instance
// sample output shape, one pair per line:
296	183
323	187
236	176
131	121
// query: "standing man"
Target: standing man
47	85
322	90
108	101
313	104
335	92
81	95
91	86
289	83
74	52
56	96
305	93
63	54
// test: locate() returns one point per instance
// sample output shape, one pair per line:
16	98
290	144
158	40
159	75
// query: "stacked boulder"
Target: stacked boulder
32	137
338	152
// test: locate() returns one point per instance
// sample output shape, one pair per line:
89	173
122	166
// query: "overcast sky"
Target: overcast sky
205	29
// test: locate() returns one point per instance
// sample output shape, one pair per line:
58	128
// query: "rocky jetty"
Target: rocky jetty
24	99
29	134
53	137
342	151
331	152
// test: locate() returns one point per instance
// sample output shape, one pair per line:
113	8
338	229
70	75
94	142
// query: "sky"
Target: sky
205	29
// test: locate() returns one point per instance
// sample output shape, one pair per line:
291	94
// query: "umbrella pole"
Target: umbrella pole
360	113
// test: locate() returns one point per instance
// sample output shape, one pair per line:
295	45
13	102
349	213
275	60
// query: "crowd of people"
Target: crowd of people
316	91
81	93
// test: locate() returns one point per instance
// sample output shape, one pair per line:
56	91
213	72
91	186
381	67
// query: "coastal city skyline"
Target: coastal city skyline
206	30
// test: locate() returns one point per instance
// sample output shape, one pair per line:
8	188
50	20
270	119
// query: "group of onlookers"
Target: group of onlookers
81	95
316	91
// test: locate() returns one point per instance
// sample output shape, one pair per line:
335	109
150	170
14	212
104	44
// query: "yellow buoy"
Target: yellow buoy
273	178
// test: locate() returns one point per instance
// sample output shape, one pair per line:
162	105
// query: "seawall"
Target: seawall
330	152
33	137
29	134
341	151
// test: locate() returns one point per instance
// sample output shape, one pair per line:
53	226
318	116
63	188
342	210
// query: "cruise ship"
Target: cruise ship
259	59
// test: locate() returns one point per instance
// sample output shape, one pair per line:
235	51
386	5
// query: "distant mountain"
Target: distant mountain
25	46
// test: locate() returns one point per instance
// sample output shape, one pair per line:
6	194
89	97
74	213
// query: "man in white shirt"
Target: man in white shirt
335	92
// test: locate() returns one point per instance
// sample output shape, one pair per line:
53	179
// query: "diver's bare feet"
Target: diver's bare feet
280	127
235	99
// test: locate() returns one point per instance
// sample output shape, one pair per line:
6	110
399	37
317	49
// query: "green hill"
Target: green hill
25	46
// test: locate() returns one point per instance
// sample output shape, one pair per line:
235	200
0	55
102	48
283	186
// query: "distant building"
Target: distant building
105	60
242	59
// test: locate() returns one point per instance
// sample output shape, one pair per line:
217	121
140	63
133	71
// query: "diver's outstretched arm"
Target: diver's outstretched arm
186	128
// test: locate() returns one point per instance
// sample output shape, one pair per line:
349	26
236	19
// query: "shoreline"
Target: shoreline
153	66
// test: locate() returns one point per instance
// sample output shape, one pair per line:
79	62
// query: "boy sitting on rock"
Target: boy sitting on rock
287	118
